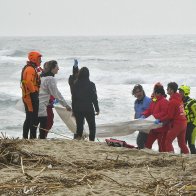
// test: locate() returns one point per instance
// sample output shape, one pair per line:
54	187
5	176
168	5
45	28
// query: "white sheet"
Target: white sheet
111	129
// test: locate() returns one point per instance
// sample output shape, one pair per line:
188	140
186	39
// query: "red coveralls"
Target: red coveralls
50	115
176	115
158	108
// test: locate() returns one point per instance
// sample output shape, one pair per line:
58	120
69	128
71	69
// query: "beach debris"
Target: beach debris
49	166
39	173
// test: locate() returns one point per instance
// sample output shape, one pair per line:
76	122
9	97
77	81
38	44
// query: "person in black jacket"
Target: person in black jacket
73	78
84	97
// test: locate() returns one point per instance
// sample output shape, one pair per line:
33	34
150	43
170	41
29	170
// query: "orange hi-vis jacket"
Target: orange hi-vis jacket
30	83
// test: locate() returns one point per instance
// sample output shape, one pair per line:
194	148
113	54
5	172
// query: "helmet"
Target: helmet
34	57
185	89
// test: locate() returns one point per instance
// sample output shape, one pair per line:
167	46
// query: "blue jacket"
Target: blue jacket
140	106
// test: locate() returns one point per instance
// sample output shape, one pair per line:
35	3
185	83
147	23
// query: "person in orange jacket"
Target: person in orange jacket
177	117
30	83
158	108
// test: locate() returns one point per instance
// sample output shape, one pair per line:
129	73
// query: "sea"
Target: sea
116	64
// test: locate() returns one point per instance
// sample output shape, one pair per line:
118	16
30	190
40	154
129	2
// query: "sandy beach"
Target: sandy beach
69	167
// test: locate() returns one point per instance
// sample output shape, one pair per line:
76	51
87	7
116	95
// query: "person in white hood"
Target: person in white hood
49	88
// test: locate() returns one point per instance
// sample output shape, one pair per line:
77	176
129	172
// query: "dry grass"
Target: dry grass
44	174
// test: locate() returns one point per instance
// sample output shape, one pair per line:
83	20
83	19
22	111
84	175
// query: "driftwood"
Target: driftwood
86	172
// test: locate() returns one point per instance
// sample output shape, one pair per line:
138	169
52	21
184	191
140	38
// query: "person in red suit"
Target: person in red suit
177	117
158	108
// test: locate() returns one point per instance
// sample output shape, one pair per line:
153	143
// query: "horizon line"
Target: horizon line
126	35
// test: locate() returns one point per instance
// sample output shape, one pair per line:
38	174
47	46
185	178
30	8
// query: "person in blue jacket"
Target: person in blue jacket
142	102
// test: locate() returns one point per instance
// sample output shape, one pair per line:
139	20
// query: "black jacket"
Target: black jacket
72	80
84	96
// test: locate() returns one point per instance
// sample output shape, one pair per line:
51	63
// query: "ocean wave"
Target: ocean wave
105	59
4	52
94	58
13	127
12	53
8	59
141	78
134	81
7	100
17	53
13	56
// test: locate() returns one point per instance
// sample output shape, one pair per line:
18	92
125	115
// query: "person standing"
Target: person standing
85	103
30	83
49	88
176	116
190	109
50	113
142	102
72	79
158	108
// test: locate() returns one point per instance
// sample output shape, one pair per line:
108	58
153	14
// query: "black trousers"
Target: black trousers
42	127
31	122
190	137
90	118
141	139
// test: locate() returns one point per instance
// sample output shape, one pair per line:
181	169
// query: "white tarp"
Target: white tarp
66	117
111	129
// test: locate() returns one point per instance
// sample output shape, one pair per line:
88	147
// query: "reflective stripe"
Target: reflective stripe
24	90
193	136
189	113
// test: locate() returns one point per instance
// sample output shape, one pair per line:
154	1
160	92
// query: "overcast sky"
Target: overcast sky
97	17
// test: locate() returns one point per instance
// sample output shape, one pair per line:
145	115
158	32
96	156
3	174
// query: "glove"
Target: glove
75	62
55	101
157	121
